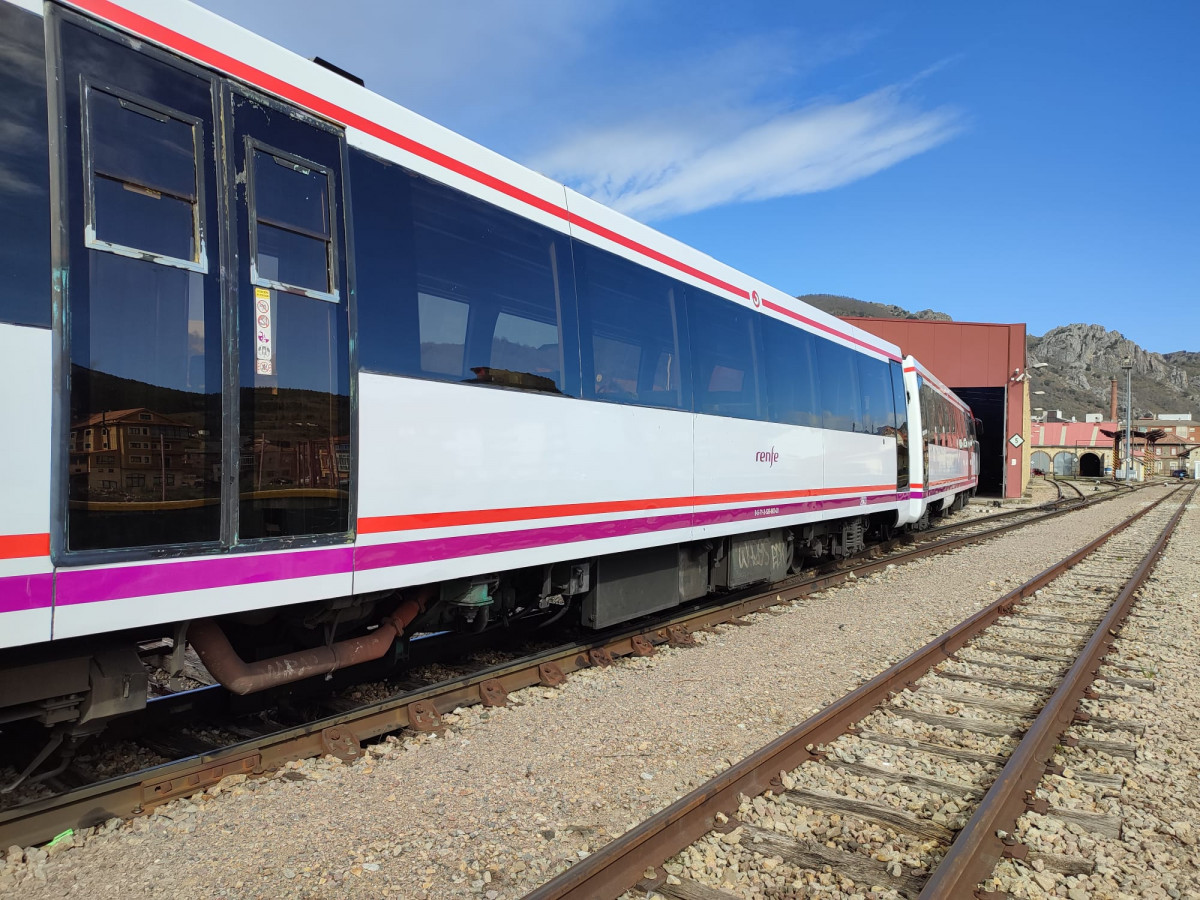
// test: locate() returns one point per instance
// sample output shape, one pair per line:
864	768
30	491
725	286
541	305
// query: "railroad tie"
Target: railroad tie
1025	711
879	813
1022	686
929	784
936	749
957	723
1098	823
858	868
687	889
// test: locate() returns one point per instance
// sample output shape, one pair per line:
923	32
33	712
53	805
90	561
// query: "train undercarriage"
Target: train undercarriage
81	685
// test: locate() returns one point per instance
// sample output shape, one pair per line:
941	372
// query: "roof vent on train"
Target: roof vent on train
326	64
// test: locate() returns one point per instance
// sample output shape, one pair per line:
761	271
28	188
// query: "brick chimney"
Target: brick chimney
1112	403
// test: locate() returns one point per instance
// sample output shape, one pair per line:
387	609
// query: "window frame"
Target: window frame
331	248
701	350
91	240
591	266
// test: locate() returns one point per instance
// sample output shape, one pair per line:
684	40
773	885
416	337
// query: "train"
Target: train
294	374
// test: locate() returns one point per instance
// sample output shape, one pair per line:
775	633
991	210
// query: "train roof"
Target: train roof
934	382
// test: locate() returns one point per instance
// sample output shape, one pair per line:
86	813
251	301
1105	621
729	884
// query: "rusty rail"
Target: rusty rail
977	848
620	865
343	734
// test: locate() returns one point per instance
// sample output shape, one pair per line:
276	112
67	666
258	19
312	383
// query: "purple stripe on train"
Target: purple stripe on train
405	553
410	552
718	516
95	585
20	592
76	586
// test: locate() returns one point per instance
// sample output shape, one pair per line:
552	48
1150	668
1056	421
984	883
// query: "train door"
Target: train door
900	402
201	290
139	297
293	370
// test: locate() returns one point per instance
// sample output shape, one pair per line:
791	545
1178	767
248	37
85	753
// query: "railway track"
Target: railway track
911	784
264	743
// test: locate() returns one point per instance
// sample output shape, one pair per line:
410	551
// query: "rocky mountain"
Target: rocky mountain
848	306
1081	361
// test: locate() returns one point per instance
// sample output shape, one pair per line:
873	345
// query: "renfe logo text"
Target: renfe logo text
770	457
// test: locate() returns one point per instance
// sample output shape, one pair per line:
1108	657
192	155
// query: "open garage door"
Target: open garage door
988	406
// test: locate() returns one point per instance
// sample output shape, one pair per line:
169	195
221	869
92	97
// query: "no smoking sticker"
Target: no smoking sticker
264	350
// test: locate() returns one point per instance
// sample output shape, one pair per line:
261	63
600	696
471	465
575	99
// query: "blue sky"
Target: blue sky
1035	162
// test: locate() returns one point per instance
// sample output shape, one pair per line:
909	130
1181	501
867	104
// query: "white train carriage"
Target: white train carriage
945	474
292	372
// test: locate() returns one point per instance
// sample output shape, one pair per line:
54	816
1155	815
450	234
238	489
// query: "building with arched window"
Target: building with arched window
1087	448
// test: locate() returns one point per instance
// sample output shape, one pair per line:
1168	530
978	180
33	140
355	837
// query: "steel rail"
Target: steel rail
621	864
342	733
977	848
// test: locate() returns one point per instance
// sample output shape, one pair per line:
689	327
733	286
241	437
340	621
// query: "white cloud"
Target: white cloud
466	63
663	166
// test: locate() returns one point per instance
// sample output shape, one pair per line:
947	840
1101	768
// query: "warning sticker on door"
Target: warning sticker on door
264	343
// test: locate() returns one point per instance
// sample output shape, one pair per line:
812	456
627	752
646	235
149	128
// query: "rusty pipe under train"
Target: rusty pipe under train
241	677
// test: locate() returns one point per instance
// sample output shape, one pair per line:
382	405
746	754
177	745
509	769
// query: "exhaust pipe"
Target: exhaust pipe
241	677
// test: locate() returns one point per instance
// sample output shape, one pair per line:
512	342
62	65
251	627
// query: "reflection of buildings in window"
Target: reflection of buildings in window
168	449
307	462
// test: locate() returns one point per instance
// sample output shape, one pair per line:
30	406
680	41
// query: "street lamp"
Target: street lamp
1127	365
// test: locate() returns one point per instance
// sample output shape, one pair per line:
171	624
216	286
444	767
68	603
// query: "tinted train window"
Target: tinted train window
24	162
293	241
144	181
896	372
453	289
726	376
145	440
791	386
630	319
875	395
837	374
900	398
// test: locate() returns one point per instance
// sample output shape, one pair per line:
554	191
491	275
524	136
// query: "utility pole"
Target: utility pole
1127	365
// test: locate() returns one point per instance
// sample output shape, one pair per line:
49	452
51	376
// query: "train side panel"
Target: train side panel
460	480
26	341
26	576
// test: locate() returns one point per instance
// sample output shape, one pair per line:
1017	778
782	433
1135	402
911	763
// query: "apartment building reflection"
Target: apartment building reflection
131	455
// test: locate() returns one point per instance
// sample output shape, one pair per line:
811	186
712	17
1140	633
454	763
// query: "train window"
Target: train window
629	319
25	186
899	398
725	357
875	394
837	374
292	241
900	422
144	192
524	344
143	315
453	289
444	321
791	387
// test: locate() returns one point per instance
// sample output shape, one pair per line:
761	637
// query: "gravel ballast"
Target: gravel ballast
509	797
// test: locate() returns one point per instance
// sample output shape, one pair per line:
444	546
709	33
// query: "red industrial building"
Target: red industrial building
985	365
